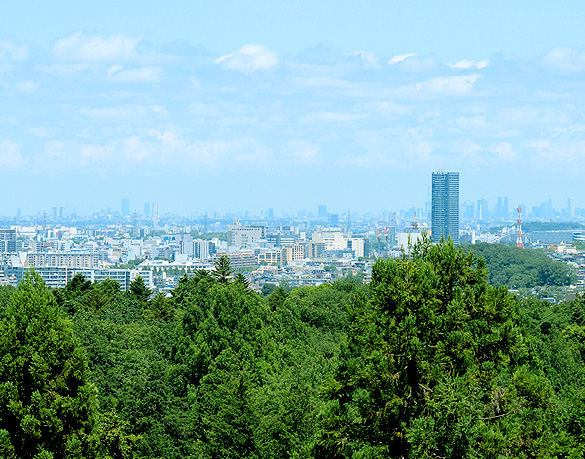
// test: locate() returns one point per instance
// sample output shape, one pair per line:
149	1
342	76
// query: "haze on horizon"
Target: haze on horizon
225	105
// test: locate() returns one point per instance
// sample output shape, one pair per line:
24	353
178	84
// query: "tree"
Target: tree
223	269
241	279
47	404
6	292
268	288
160	308
139	290
516	267
432	368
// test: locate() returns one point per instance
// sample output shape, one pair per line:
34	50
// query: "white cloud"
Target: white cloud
41	131
61	158
370	60
11	52
565	59
94	154
468	64
401	57
135	150
77	47
249	59
418	153
138	75
439	87
303	152
64	70
564	153
468	152
209	155
10	156
26	86
412	63
53	158
505	152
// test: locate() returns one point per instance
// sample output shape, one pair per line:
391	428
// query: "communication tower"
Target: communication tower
519	228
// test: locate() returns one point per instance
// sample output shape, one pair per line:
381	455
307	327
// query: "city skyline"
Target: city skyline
469	210
206	106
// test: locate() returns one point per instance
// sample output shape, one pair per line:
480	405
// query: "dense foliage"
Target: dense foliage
435	368
428	360
48	406
516	267
550	226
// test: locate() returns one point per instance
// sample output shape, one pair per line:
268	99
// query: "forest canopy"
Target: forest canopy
427	360
515	267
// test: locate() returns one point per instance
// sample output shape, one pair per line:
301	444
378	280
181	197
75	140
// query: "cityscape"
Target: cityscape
292	230
305	248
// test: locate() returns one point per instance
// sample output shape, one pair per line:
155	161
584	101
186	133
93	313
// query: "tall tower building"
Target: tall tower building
155	215
445	206
125	207
571	207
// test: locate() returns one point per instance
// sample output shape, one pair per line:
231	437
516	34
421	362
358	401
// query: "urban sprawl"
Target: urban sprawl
305	249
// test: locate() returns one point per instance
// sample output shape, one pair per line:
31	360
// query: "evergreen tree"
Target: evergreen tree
139	290
432	369
223	269
47	405
241	279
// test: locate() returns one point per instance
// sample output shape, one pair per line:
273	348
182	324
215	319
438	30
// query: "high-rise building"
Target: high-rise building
125	207
445	206
243	236
322	211
334	220
155	215
482	211
571	207
502	211
7	240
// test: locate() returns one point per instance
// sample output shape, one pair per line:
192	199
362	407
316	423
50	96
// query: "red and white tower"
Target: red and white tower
519	229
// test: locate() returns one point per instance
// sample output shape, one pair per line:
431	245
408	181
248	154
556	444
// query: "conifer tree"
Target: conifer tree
139	290
47	405
433	369
223	269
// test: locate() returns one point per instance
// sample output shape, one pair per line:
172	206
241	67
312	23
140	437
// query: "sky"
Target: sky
232	105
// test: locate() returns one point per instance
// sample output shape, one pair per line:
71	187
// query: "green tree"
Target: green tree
432	368
240	278
6	292
268	288
223	269
47	404
139	290
160	308
516	267
77	286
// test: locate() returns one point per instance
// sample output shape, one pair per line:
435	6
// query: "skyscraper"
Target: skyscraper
571	207
125	207
445	206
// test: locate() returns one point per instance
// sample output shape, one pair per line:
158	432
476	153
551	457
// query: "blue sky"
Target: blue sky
248	105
